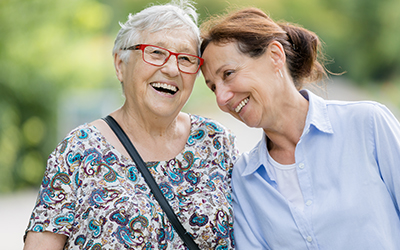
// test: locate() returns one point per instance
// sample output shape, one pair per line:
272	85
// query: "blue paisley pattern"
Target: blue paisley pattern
96	196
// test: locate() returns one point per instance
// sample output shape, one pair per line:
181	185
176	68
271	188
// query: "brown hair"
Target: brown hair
253	31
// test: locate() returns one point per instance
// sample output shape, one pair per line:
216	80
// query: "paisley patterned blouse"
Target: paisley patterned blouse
95	196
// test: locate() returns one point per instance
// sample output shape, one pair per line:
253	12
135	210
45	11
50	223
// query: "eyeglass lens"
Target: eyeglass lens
158	56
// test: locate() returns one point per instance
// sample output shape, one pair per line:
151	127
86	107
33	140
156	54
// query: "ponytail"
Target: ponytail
303	55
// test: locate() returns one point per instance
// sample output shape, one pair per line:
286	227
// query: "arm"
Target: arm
44	241
387	142
55	203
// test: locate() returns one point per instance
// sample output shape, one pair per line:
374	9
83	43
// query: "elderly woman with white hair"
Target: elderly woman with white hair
94	197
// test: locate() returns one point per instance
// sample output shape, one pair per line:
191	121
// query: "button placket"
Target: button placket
306	185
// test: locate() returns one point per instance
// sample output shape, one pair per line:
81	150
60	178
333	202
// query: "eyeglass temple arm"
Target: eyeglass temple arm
134	47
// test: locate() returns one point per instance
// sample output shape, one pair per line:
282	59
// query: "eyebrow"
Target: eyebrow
184	49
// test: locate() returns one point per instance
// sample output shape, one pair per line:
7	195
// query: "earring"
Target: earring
280	72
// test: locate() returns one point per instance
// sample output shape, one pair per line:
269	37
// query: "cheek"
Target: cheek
189	80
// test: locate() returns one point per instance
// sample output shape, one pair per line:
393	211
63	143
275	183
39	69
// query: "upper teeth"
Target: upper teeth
164	86
241	105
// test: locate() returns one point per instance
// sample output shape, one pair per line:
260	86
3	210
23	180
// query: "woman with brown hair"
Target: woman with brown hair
325	173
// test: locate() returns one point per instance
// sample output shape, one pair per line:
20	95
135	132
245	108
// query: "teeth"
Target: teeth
241	105
164	86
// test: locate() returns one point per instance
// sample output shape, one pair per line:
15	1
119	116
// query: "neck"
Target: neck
289	126
155	138
138	125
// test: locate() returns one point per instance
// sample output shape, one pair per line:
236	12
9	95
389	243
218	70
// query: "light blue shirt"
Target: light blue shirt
348	165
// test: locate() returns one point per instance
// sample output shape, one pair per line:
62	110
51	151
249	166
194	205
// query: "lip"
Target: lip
238	108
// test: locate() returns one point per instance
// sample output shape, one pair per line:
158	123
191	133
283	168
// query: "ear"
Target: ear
277	54
119	67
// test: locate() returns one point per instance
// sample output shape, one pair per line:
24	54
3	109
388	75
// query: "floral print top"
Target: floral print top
96	196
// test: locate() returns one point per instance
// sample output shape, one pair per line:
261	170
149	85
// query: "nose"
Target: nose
223	95
171	66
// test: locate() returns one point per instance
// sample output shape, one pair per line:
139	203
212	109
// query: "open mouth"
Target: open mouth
165	88
241	105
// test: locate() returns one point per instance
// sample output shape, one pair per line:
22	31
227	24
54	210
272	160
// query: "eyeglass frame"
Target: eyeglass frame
143	46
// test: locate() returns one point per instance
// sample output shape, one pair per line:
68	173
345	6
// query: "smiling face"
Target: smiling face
157	90
247	88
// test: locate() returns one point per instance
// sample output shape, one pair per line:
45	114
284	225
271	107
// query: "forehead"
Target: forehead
218	55
179	40
223	49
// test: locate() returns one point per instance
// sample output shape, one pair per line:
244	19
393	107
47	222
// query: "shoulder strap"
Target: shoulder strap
155	189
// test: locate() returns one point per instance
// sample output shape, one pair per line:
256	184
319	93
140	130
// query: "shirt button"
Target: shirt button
301	165
309	202
309	239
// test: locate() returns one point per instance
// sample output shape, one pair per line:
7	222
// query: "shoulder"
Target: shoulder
200	122
82	132
361	116
356	109
79	138
209	131
339	107
352	104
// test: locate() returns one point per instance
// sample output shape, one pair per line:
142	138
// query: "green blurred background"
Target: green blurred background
56	68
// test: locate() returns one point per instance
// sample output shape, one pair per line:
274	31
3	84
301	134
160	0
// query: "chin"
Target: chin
250	122
239	118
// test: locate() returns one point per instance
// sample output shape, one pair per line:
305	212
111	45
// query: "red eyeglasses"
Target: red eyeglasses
158	56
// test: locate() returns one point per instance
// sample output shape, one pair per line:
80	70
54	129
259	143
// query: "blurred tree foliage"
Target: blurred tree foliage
48	47
45	47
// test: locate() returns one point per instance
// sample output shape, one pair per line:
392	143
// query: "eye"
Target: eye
227	73
184	58
187	59
158	52
211	86
155	52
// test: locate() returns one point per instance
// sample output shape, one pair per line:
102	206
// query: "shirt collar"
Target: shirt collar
257	157
317	116
317	113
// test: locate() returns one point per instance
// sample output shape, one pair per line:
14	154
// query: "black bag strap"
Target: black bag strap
155	189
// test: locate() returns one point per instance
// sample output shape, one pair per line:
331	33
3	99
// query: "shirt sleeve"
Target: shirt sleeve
386	130
54	210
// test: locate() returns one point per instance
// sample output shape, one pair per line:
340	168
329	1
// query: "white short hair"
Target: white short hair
178	14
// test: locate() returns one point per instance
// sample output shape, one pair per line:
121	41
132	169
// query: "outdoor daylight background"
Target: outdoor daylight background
56	71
